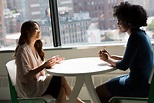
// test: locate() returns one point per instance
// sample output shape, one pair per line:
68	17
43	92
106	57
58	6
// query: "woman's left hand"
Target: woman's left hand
103	55
59	59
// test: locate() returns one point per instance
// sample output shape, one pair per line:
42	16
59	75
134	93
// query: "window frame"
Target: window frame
55	23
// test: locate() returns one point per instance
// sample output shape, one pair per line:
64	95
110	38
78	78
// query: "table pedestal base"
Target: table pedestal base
80	80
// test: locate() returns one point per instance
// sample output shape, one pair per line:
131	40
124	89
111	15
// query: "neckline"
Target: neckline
34	52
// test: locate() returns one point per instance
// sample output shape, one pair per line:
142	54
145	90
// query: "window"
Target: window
0	26
15	12
92	22
1	35
74	22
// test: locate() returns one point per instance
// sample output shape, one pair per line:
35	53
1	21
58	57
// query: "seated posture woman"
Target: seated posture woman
138	56
32	80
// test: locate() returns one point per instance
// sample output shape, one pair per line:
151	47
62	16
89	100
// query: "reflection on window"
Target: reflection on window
80	21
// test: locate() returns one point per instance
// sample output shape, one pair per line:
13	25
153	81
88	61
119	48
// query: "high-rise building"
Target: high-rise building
150	7
147	4
99	10
2	24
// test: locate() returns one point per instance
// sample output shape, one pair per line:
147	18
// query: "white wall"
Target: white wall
68	54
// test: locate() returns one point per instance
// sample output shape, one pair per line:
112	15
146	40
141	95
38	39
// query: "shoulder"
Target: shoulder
138	34
22	53
22	49
136	37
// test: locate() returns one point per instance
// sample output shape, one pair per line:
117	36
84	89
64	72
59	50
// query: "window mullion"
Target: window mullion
55	23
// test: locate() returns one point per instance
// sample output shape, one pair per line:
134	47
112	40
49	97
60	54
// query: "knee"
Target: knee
98	90
103	91
63	81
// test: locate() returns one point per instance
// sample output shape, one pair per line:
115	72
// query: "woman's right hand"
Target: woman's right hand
105	51
104	55
49	63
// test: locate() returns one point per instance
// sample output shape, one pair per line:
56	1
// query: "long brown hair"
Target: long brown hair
26	27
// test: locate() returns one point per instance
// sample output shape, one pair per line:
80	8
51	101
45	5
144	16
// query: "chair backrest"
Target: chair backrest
151	90
11	70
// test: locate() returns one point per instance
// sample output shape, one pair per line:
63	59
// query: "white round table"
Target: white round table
82	68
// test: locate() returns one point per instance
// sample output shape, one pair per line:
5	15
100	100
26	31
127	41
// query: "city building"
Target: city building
99	10
2	24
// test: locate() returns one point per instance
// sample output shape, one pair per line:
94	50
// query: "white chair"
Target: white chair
11	70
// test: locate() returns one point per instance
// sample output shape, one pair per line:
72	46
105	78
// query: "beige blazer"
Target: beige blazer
25	61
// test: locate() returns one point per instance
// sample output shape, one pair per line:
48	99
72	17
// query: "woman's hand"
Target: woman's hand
104	55
49	63
59	59
105	51
52	61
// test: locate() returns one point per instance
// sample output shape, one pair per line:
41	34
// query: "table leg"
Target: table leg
91	89
78	85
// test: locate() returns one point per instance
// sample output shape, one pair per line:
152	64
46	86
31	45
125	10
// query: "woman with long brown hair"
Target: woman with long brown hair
32	80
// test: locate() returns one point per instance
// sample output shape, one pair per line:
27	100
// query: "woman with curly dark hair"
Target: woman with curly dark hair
138	56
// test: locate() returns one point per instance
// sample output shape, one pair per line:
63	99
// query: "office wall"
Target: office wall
69	53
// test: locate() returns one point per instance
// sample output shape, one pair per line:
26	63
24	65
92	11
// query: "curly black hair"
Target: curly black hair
134	15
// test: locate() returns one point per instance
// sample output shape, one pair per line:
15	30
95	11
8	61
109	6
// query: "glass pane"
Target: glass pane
81	21
14	12
92	21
